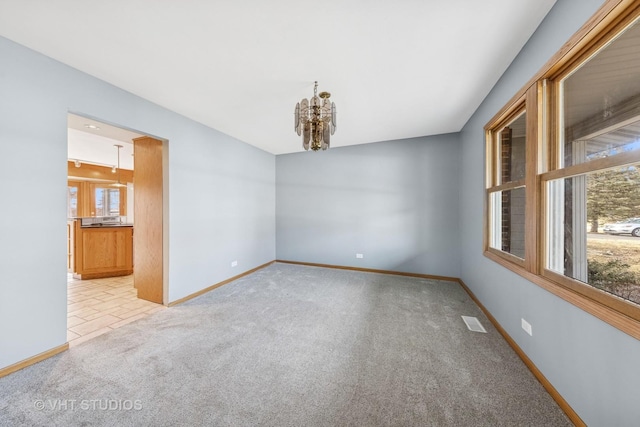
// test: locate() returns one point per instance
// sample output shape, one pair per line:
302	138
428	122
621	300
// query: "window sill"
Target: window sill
603	312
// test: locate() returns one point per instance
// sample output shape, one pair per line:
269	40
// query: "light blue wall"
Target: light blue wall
593	365
221	195
413	205
395	202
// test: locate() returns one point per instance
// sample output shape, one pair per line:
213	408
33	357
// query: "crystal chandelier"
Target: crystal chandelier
315	120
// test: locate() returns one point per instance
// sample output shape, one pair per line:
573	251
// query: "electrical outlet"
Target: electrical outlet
234	263
527	327
359	256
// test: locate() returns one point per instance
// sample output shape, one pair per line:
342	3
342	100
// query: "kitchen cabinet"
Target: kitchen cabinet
70	246
103	251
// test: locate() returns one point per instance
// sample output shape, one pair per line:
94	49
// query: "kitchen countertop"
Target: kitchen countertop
106	225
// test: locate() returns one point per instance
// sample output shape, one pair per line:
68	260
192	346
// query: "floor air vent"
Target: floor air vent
473	324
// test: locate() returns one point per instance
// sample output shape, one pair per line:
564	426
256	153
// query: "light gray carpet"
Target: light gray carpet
291	346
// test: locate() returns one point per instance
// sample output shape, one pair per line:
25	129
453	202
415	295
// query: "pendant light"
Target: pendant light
118	184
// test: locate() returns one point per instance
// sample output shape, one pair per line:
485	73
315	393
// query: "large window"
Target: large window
563	182
590	237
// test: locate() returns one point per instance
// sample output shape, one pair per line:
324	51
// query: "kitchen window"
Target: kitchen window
92	199
107	201
72	200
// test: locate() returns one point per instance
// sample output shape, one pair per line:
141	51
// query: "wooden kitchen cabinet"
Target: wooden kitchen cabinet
102	251
70	246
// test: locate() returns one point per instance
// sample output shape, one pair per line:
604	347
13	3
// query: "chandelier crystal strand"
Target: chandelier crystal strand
315	120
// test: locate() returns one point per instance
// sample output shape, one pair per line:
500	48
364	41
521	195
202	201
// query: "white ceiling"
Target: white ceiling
395	69
91	141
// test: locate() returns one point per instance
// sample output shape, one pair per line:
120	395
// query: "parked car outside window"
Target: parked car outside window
628	226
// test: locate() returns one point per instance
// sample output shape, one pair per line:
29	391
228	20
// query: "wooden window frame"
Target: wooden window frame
540	99
525	103
88	177
87	199
84	197
93	186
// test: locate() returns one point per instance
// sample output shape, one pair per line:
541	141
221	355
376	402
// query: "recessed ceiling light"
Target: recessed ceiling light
92	127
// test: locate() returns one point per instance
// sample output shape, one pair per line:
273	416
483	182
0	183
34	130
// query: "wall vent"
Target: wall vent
473	324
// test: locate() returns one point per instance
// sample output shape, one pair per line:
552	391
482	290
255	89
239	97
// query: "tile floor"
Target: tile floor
101	305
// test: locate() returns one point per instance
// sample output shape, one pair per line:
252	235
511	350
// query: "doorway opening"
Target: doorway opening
107	246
